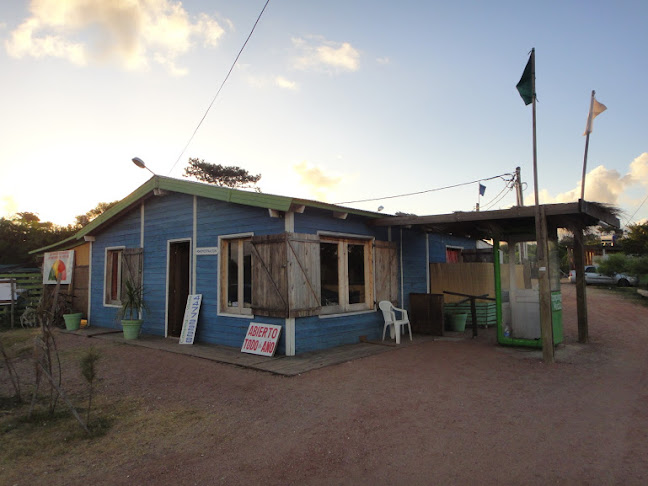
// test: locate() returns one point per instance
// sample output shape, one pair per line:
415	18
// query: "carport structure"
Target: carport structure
519	224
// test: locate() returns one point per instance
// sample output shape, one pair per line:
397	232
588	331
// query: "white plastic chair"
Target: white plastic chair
389	315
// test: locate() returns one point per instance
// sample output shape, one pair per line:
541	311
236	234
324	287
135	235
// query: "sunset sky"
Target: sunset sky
336	101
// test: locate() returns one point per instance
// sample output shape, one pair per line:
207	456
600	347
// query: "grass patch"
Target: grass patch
44	433
121	429
628	293
18	342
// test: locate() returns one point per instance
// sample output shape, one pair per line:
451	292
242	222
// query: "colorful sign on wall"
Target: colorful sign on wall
261	339
58	266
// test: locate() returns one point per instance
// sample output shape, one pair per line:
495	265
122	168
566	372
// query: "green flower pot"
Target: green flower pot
131	328
72	321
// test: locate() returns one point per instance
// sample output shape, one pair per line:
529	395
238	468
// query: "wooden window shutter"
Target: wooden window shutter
269	276
304	294
386	258
131	267
285	275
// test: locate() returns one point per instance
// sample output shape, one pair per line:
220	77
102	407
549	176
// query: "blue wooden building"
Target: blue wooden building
316	269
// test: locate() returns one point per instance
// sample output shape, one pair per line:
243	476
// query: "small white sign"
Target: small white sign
207	250
261	339
190	321
5	291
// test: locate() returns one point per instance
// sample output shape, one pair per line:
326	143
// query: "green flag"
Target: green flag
526	84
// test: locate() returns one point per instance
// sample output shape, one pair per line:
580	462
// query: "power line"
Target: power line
636	211
503	194
219	89
426	191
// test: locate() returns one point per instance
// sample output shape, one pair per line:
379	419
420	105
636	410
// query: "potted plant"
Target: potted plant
132	301
73	321
63	308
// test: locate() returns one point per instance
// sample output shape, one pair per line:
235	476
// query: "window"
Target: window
453	255
112	285
122	264
236	276
345	273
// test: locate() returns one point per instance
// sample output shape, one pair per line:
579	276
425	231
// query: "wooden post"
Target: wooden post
546	327
473	312
581	292
13	298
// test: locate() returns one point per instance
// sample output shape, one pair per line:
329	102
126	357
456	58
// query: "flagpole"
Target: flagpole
546	324
588	129
535	150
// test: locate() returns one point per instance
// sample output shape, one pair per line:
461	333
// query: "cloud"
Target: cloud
383	61
130	32
316	53
602	185
8	206
285	83
319	181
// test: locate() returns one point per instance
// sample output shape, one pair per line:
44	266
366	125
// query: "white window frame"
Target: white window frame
108	275
343	241
223	274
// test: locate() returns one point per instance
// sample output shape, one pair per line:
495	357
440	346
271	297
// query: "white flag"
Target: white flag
597	109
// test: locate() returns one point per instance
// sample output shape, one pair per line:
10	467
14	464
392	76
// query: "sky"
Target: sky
336	101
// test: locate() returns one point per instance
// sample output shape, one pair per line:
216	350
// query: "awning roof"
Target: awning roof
517	222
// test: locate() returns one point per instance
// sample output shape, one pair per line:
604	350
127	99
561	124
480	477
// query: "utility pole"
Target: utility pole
518	187
520	202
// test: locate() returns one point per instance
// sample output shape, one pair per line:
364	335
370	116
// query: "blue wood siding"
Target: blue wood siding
214	219
414	258
171	217
124	232
166	218
414	263
438	244
313	220
313	333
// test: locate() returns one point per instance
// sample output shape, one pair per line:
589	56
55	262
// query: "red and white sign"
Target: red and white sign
261	339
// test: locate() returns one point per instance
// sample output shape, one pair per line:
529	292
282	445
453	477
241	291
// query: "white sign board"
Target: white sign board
190	321
207	250
5	291
261	339
58	265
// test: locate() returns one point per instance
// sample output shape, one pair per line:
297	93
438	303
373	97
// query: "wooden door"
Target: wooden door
179	274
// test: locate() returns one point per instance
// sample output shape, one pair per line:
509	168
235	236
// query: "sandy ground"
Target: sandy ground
441	412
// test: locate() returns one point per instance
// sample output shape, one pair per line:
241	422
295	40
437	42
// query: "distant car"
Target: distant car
592	276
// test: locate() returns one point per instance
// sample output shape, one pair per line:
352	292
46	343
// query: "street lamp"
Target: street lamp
140	163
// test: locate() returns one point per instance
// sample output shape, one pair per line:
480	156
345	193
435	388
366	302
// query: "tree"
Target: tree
622	263
636	241
615	263
102	207
220	175
25	232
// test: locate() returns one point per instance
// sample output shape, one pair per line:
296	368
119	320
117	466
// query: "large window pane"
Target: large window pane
329	274
356	271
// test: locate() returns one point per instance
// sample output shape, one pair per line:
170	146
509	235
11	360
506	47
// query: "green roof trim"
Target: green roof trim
235	196
61	245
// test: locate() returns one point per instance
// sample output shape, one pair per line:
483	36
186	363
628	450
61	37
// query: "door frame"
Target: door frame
168	275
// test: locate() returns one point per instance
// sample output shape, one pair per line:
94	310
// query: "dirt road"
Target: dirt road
442	412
